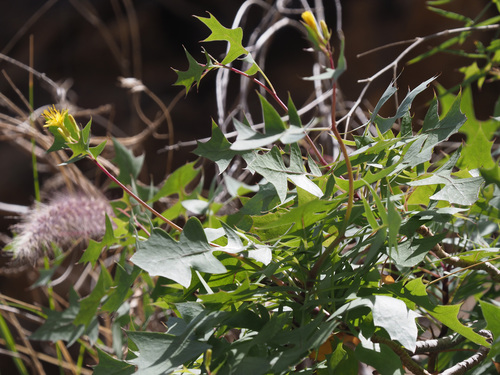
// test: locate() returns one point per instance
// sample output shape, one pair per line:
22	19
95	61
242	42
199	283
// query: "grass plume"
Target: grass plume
63	220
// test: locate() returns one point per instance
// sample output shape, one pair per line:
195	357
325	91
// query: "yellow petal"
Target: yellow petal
309	19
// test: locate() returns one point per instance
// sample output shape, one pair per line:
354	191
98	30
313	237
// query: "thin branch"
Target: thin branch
393	65
419	40
458	262
406	360
133	195
464	366
60	91
438	345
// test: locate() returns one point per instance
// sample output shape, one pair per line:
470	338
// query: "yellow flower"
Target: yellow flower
53	117
65	123
309	19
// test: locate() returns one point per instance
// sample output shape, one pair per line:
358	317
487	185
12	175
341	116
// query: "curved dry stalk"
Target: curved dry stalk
394	64
457	261
27	344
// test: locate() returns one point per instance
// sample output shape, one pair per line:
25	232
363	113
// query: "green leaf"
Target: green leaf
389	313
275	129
333	73
271	166
273	123
413	251
121	290
456	190
342	361
264	200
218	149
491	176
237	188
162	353
96	151
369	214
110	366
379	356
441	48
477	152
59	141
293	114
394	223
89	304
415	291
463	191
389	91
384	124
491	313
192	75
129	165
399	322
451	15
80	149
220	33
161	255
59	324
433	132
298	218
406	129
255	68
94	249
177	181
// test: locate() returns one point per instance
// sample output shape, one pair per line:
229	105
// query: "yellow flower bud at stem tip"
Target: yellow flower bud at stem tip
309	19
324	29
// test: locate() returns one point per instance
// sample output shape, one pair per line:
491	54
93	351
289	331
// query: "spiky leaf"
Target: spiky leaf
161	255
220	33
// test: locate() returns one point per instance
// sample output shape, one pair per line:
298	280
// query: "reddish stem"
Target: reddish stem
129	192
282	104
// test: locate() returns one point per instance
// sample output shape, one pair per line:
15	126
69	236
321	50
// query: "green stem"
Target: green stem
11	345
133	195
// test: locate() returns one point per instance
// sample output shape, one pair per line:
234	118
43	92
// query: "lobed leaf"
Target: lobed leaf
190	76
220	33
161	255
271	166
130	165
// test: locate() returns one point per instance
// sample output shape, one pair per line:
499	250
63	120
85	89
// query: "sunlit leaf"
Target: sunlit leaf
399	322
271	166
220	33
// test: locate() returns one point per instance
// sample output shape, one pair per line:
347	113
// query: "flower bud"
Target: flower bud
324	29
309	19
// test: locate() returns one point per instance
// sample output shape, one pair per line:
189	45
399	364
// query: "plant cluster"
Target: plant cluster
311	266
